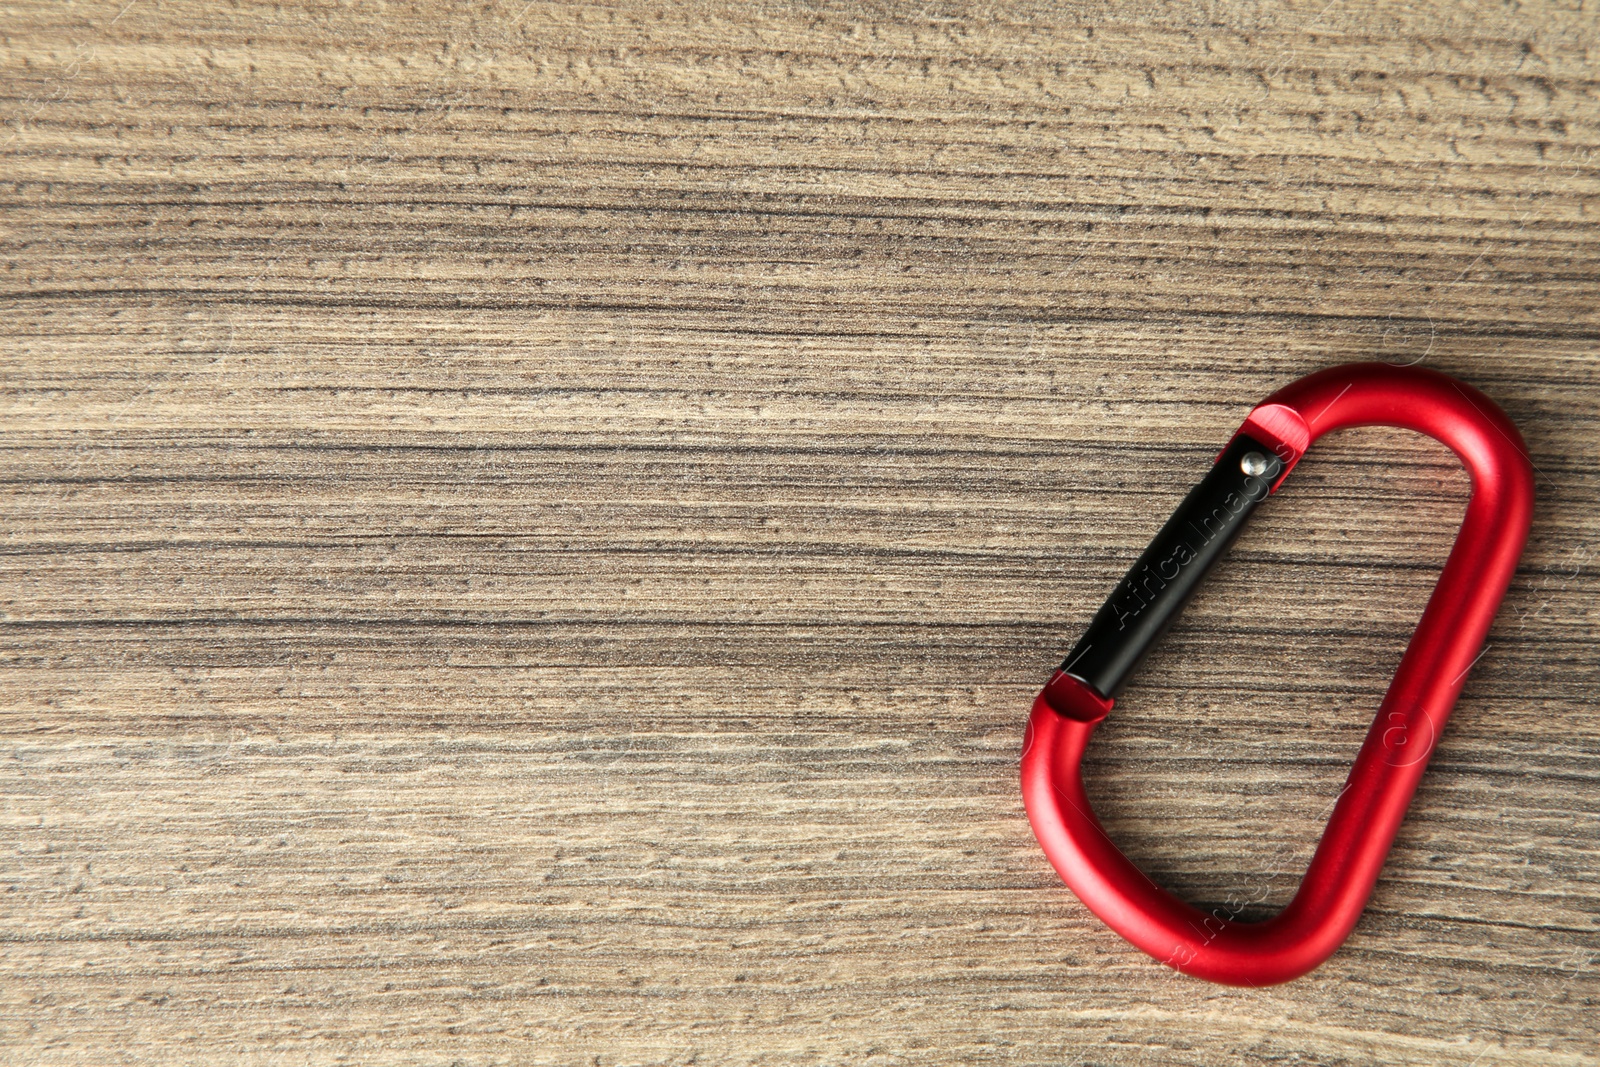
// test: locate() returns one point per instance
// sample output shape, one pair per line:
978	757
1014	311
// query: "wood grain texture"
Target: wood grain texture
530	530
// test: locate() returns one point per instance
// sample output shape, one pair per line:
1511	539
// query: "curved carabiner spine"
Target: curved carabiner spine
1447	640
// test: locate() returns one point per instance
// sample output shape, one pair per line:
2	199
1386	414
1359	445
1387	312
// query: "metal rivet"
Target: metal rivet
1253	463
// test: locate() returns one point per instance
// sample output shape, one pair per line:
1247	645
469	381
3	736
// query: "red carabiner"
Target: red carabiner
1413	713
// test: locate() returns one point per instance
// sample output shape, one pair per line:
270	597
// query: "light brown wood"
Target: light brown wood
531	531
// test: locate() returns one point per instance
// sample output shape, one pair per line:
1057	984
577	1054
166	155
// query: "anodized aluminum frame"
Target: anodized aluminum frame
1369	810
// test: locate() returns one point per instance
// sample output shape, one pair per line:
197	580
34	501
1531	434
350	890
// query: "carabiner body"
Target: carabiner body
1408	723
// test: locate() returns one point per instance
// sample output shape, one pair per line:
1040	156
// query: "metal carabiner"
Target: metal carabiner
1369	810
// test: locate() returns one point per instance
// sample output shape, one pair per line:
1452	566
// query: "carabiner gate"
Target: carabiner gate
1340	878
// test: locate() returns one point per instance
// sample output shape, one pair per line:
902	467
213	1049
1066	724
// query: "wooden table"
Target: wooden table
531	531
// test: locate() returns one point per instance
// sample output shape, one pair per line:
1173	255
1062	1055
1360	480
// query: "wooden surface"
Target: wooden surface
530	531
